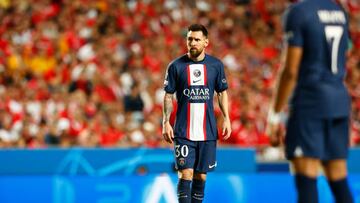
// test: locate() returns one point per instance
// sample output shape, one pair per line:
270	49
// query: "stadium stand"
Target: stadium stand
90	73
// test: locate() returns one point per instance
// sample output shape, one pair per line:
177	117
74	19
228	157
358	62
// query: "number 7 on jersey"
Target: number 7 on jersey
333	36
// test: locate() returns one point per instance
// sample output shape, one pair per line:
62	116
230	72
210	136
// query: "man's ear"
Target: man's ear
206	42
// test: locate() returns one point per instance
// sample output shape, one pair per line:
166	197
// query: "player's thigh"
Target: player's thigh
335	169
206	156
200	176
336	148
337	140
185	154
186	174
306	166
304	137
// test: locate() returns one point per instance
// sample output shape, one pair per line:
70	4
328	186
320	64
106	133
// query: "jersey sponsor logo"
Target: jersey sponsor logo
197	93
326	16
195	81
212	166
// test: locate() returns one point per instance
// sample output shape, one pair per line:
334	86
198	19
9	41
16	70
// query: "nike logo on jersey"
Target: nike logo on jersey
212	166
195	81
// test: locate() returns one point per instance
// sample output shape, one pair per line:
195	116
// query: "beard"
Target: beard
194	53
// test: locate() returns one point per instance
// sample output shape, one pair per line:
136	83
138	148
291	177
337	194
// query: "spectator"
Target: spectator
115	53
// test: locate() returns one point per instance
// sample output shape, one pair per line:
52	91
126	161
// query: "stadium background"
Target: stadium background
80	75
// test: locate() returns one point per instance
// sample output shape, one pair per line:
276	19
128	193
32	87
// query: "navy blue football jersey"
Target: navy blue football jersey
320	27
195	83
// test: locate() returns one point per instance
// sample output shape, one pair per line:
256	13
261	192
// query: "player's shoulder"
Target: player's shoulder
307	5
213	60
298	13
298	8
179	60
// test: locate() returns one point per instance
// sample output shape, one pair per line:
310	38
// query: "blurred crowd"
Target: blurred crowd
90	72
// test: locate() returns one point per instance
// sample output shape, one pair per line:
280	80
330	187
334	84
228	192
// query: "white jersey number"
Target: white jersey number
183	150
333	36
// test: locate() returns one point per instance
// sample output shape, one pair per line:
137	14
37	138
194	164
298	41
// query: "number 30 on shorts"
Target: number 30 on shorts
181	150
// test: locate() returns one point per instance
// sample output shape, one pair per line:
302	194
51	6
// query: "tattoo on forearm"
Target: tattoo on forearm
168	107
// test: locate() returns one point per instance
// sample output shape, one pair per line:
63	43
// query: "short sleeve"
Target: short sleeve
221	82
170	79
293	20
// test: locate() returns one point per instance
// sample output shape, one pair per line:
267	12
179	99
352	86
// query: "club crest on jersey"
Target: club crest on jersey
182	162
197	73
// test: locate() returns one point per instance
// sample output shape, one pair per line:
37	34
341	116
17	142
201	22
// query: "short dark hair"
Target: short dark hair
198	27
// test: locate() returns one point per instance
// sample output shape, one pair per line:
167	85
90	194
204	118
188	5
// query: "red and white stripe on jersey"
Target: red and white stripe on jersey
196	112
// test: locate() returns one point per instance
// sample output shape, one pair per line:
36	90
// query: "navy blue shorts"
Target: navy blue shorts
324	139
198	155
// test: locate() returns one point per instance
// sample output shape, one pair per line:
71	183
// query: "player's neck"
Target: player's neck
198	58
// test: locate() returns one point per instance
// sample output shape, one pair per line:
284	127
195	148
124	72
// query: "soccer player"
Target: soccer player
194	77
317	130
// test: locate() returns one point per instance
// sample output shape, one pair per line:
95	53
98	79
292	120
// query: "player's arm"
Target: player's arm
223	104
288	77
285	85
167	130
294	23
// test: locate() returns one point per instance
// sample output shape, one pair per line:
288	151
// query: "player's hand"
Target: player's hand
275	133
226	129
168	132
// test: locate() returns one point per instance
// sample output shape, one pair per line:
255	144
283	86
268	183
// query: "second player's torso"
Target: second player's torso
320	90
